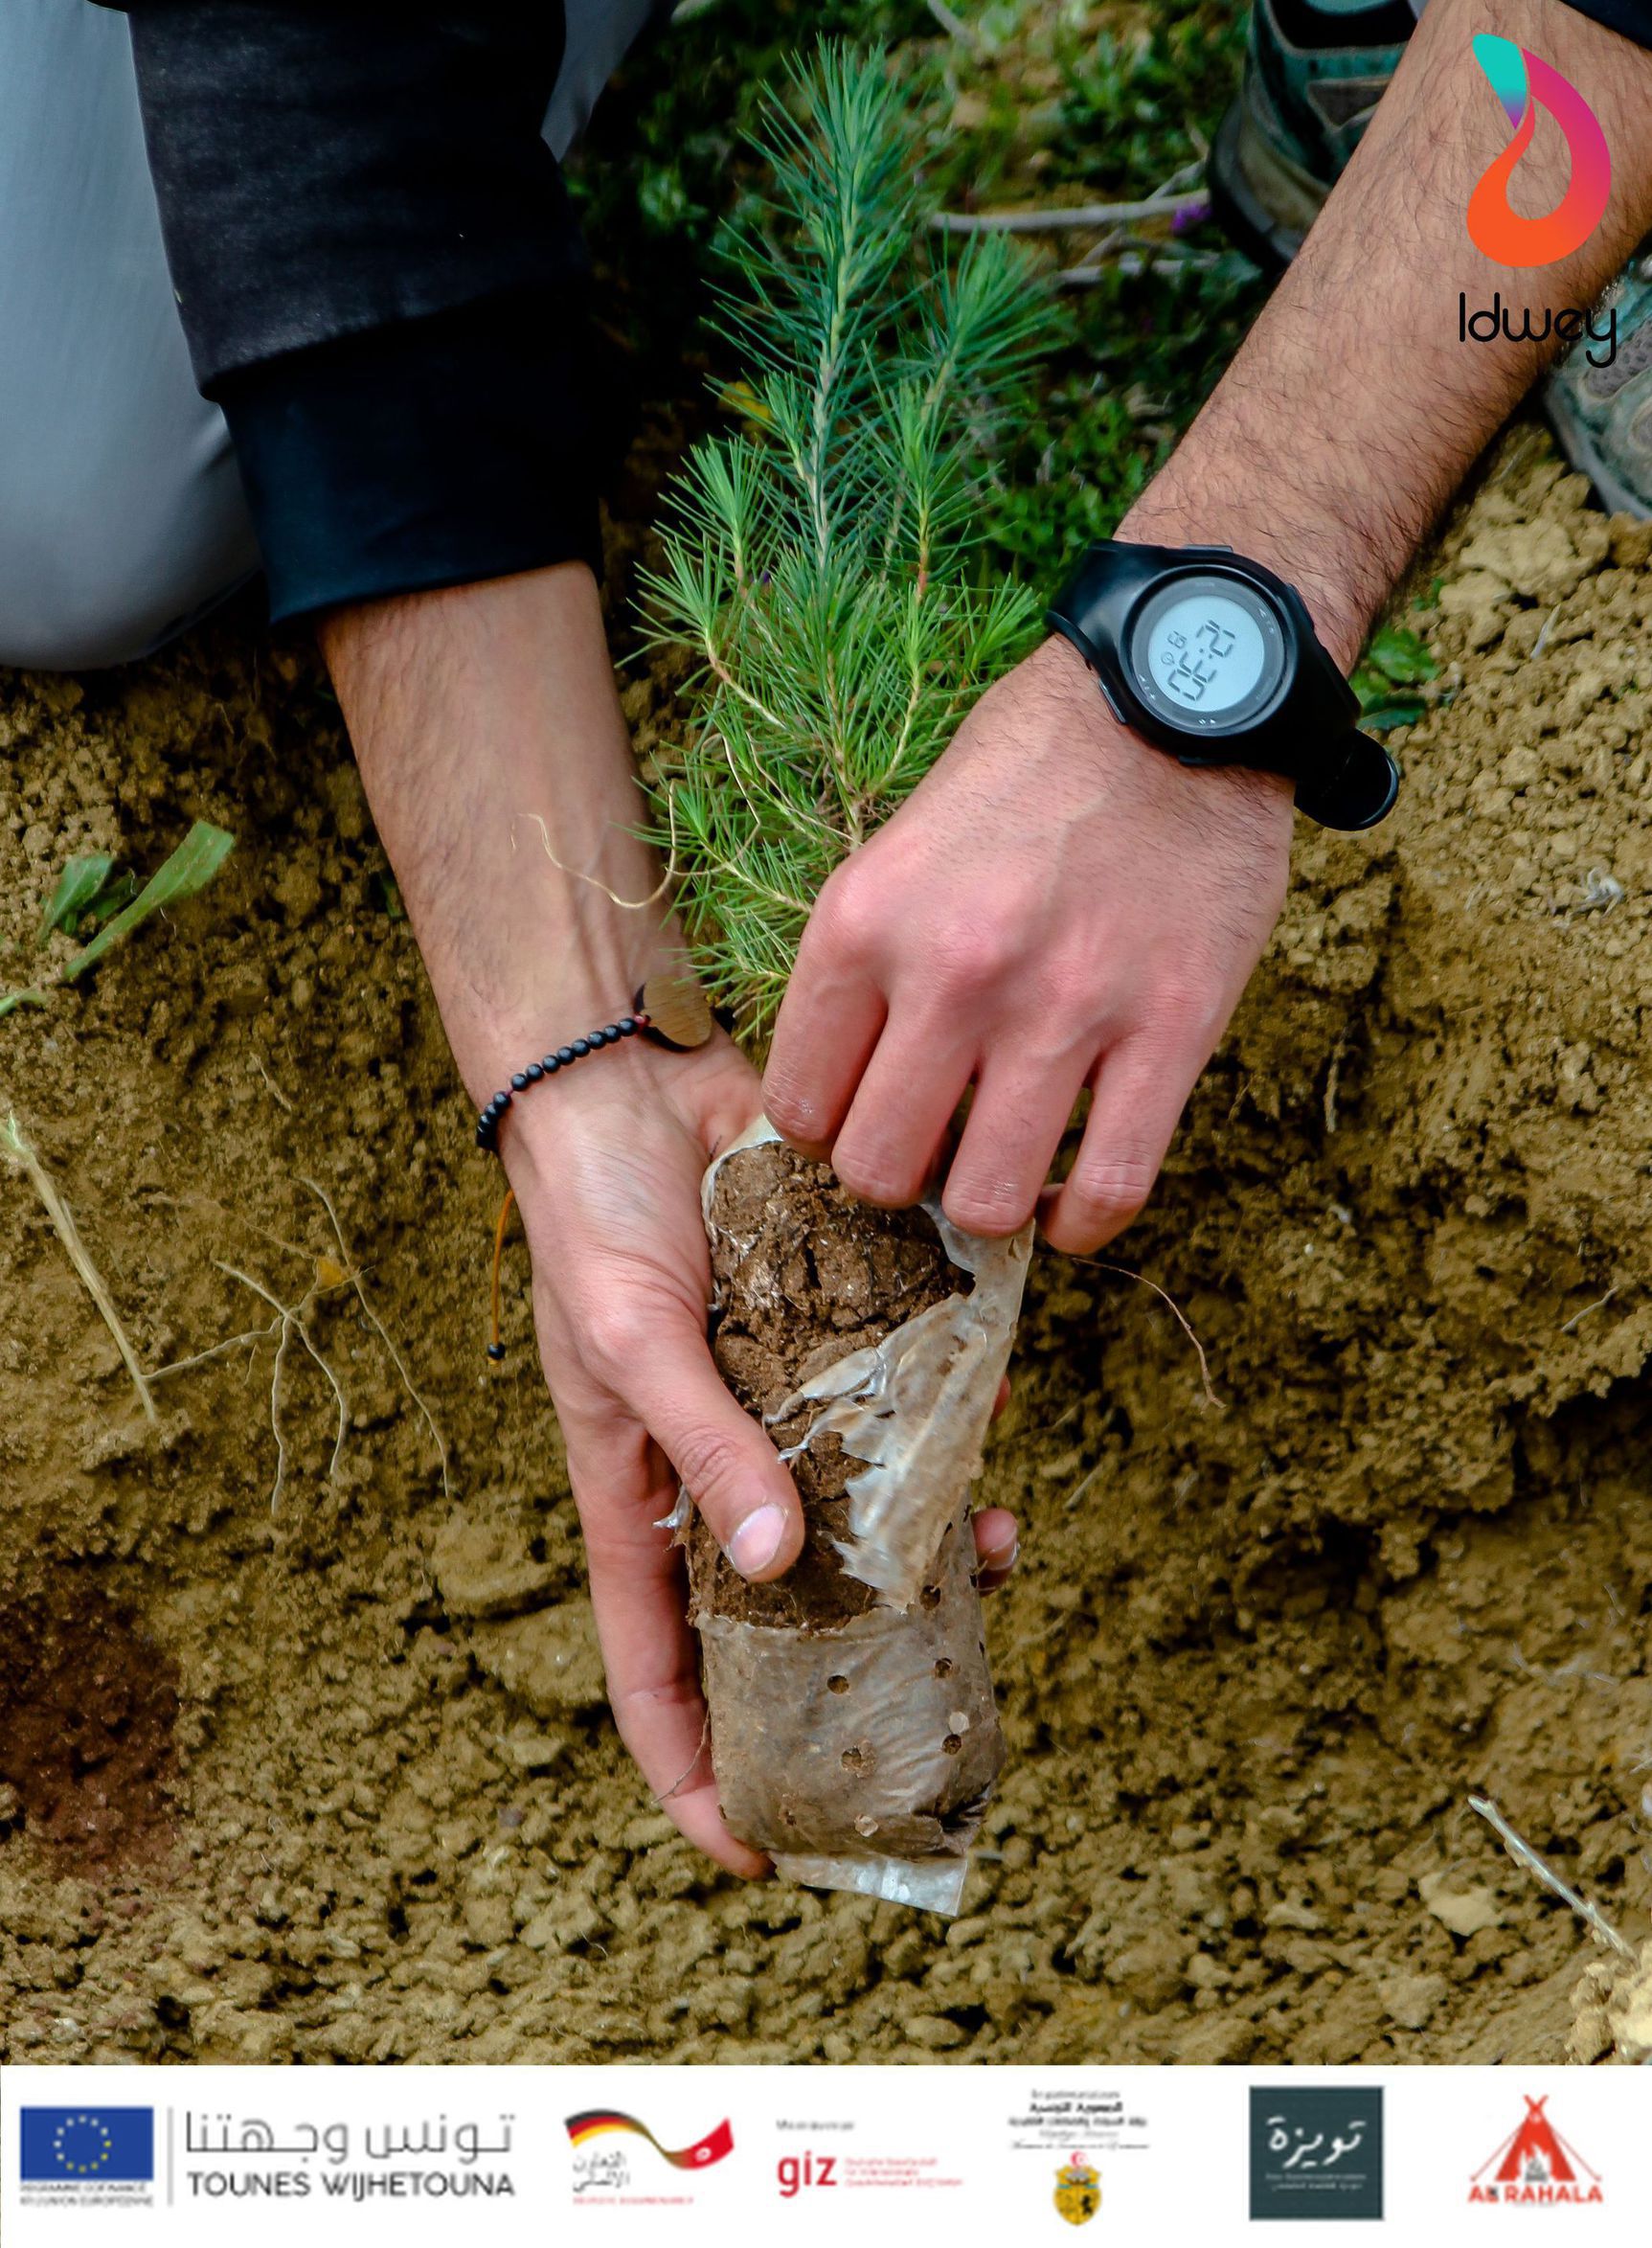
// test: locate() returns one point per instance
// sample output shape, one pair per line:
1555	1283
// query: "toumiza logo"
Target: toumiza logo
1535	2167
1525	83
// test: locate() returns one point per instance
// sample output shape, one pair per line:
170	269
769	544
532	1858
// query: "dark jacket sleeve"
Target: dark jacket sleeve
1632	17
381	282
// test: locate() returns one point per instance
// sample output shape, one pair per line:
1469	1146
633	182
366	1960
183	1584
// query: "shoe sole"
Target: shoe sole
1263	202
1577	443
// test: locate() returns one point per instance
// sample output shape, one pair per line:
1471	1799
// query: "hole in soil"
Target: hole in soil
852	1760
952	1744
931	1596
88	1713
428	1615
837	1683
945	1667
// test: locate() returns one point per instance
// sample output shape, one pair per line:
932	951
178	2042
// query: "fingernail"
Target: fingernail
757	1540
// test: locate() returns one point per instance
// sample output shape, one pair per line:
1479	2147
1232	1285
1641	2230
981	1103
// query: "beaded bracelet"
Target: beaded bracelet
666	999
565	1056
670	1010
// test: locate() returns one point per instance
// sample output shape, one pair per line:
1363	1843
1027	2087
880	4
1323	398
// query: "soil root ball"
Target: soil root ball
854	1730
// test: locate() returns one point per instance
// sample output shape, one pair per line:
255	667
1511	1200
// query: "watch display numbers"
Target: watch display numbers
1191	669
1206	653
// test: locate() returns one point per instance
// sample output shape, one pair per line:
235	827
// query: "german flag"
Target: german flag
592	2121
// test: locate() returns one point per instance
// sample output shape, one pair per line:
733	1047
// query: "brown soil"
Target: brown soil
1255	1660
88	1716
803	1274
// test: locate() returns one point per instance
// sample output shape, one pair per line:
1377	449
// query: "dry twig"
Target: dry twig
1523	1854
1053	217
16	1150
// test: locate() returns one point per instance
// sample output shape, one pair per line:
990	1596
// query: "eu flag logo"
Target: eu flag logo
74	2145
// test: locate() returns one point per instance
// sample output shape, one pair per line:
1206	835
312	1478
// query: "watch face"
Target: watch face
1206	653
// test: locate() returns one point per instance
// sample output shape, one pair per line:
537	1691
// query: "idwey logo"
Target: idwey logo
1525	83
1536	2167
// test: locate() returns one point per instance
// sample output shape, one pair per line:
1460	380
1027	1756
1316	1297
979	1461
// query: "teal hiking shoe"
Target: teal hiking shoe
1603	415
1314	74
1315	71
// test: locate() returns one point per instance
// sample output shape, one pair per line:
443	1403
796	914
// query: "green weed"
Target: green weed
189	869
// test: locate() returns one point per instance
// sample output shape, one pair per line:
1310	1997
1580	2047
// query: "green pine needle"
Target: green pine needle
823	562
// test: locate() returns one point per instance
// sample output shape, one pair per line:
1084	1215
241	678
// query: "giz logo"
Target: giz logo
1534	2165
795	2171
1525	83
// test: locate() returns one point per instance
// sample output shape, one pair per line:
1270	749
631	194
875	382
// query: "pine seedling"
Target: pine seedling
823	563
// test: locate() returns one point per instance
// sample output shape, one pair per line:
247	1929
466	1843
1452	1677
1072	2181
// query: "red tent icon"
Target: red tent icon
1536	2152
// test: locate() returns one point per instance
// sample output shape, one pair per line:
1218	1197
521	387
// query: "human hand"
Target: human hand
607	1172
1057	904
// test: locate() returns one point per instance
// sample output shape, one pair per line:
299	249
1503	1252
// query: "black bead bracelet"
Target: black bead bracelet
565	1056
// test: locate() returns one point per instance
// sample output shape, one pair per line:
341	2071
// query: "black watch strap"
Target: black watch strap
1342	779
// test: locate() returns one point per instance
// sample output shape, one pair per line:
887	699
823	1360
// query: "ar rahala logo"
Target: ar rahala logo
1525	83
1535	2167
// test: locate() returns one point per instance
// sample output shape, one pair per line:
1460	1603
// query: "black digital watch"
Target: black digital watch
1211	658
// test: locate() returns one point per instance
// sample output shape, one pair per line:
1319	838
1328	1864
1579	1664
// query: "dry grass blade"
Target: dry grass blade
1523	1854
1182	1320
625	905
352	1274
16	1150
955	27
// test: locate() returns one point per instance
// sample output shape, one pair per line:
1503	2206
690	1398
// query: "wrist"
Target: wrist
1246	791
570	984
600	1096
1342	587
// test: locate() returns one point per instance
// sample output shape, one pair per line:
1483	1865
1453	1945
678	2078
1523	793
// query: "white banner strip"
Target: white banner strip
511	2155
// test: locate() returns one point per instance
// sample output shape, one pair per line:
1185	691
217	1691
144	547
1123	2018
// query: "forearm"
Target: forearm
1351	414
492	746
